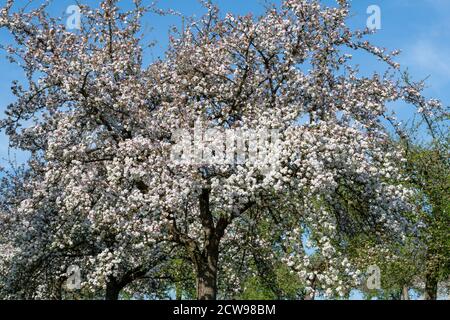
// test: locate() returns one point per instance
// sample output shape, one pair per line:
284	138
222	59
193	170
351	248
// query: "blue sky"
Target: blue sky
420	28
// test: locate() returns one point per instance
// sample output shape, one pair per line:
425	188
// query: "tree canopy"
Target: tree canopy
212	167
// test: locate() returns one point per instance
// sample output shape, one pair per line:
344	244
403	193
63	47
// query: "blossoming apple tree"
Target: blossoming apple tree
102	131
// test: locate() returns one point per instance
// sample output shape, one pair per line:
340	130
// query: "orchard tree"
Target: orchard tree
428	167
426	140
431	173
91	226
42	244
420	262
302	130
242	73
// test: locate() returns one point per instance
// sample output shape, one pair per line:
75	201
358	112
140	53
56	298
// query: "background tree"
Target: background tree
428	167
421	260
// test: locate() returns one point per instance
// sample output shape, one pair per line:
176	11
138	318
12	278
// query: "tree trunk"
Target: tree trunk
178	292
431	286
405	293
207	276
309	297
112	290
207	260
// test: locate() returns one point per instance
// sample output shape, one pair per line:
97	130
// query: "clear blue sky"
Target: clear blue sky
420	28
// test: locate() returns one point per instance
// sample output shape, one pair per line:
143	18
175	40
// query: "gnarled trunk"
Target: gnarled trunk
206	268
112	290
206	285
207	260
431	276
206	256
405	293
431	286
